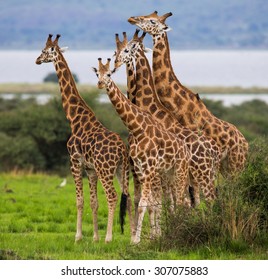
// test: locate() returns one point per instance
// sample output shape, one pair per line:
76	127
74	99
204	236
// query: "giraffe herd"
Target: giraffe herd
176	146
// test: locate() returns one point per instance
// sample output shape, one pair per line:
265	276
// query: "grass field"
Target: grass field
38	221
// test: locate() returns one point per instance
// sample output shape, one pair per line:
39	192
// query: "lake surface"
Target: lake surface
193	68
227	99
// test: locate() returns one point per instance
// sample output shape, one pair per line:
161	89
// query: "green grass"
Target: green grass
38	221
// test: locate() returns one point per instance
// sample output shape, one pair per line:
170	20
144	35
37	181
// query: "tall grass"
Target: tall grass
237	219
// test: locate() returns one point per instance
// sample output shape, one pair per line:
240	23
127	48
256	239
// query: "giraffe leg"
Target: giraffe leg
123	178
157	204
144	201
137	197
111	197
168	194
76	169
151	212
93	180
204	180
138	179
137	191
181	182
194	193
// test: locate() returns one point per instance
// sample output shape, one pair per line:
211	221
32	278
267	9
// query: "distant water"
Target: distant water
193	68
226	99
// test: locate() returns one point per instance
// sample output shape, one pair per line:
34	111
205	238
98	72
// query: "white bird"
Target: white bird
62	184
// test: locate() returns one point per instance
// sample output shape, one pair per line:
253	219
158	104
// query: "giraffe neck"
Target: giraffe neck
146	97
133	118
76	109
145	91
186	106
131	81
161	60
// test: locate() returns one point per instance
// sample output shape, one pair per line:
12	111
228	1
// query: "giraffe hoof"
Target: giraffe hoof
96	239
108	239
78	239
132	239
135	241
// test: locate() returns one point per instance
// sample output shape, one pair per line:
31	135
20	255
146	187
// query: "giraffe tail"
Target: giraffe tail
124	203
123	210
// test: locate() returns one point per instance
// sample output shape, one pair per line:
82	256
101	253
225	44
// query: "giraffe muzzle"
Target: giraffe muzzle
100	84
38	61
132	20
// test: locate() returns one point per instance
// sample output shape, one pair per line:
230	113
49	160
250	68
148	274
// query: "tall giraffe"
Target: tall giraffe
205	154
153	150
92	147
186	106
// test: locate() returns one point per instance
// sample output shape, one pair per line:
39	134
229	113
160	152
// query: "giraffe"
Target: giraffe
186	106
153	150
131	89
205	154
92	147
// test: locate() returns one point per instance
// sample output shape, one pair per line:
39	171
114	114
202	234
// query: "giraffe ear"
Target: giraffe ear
94	69
64	49
147	50
114	70
167	28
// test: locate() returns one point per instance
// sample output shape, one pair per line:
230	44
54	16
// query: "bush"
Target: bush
19	152
34	137
238	216
53	78
255	177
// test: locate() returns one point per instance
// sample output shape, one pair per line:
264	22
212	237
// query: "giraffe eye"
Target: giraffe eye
52	49
126	50
152	21
109	75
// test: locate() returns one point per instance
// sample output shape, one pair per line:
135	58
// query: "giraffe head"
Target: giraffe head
152	24
120	48
126	51
51	50
104	73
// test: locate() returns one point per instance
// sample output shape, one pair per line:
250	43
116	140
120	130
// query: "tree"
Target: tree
52	78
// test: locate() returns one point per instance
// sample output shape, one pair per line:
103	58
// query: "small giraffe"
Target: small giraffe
153	150
131	89
92	147
186	106
205	154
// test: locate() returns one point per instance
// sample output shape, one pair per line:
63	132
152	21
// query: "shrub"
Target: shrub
19	152
255	177
238	216
53	78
